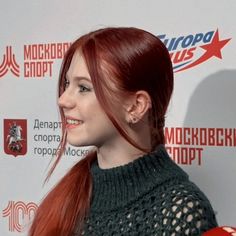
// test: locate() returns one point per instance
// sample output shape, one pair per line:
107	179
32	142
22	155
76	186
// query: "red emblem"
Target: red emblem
9	63
15	137
221	231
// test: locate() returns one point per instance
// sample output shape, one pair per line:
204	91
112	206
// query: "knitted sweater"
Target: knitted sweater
149	196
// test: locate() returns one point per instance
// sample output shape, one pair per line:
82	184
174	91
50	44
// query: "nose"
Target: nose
66	101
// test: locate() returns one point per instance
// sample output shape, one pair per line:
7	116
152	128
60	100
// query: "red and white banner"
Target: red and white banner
201	120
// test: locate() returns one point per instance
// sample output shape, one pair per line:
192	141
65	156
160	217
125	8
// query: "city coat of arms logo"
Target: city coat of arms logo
15	137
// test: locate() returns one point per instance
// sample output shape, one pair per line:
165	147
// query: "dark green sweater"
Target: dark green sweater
149	196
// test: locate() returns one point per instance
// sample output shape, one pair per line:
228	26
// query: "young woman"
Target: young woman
114	90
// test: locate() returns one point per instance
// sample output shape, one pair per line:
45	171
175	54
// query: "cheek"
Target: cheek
91	112
94	110
98	119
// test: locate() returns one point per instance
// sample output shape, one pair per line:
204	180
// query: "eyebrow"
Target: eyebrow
79	78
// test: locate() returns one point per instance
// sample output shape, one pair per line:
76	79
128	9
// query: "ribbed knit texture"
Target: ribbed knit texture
149	196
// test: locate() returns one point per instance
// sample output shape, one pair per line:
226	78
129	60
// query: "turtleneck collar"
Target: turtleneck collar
116	187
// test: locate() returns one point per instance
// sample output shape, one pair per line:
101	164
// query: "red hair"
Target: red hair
120	62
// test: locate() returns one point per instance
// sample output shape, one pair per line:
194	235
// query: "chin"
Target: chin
77	143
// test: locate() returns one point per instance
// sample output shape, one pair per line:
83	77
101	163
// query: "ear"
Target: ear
137	106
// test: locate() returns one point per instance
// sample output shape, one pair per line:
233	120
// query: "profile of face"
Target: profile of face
86	122
112	93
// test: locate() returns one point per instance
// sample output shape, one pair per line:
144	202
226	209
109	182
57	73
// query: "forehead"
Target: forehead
78	66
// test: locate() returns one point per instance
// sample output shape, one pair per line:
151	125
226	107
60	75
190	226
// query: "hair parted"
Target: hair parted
120	61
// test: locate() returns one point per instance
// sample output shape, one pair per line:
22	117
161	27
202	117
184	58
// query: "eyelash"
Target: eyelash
82	88
66	84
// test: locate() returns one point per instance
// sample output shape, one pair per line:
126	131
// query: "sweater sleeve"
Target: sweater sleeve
187	211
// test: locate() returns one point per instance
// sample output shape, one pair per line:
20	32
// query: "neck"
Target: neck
109	158
120	153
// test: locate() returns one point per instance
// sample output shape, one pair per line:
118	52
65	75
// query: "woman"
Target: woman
114	90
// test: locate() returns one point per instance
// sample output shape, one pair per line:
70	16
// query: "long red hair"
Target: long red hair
132	59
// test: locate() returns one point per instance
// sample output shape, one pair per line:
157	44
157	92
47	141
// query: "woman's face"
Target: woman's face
86	122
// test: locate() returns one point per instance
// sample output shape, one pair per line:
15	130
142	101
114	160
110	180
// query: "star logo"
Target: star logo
212	49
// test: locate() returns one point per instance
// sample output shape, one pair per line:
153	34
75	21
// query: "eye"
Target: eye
66	83
83	89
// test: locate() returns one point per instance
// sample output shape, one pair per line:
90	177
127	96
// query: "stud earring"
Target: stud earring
133	120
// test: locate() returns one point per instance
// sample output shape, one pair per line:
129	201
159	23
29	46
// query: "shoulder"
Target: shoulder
185	209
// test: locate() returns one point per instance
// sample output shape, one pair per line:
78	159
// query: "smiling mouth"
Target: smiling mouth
70	123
